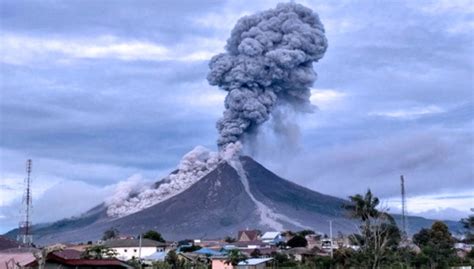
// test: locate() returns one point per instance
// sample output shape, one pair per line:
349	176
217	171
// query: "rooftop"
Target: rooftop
270	235
124	243
6	243
255	261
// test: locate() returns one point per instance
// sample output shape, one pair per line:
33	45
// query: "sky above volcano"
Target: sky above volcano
98	91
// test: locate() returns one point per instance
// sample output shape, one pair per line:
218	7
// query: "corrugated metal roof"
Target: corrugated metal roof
157	256
6	243
255	261
207	251
270	235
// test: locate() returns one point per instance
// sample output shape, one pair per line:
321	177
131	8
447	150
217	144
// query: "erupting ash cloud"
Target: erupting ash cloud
268	62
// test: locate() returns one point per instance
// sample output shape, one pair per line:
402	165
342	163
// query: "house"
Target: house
302	254
128	249
25	258
249	244
14	257
220	262
191	257
248	235
157	256
7	243
256	263
207	252
72	259
272	238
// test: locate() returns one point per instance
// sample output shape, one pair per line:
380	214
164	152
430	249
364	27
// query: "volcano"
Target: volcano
217	205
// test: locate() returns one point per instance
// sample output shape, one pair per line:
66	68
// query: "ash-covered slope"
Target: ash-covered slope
216	205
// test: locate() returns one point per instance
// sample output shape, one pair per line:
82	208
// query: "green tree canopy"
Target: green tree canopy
436	244
234	257
297	241
99	252
468	225
306	232
110	233
363	207
154	235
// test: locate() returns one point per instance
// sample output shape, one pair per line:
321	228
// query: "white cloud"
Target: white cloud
409	113
443	205
12	188
68	202
327	99
18	49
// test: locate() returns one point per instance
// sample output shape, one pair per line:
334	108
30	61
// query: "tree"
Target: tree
154	235
42	255
189	248
363	207
306	232
379	235
322	262
282	260
468	225
234	257
229	239
256	253
111	233
436	244
297	241
98	252
172	259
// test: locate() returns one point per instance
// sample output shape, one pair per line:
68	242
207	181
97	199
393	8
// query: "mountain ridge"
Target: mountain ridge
215	206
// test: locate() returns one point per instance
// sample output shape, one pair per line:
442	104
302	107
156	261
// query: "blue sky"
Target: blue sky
97	91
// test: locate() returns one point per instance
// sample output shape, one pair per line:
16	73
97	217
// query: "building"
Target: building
256	263
272	238
66	259
128	249
248	235
220	263
16	257
7	243
249	244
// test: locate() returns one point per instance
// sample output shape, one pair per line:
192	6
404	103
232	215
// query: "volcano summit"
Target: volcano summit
237	193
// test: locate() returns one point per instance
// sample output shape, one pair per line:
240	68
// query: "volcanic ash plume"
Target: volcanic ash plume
268	61
132	195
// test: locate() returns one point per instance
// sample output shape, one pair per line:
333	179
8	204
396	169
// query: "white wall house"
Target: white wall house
130	248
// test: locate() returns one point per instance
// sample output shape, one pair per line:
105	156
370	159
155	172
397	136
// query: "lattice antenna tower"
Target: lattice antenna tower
404	207
25	235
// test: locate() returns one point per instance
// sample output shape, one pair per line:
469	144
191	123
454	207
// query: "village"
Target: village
250	249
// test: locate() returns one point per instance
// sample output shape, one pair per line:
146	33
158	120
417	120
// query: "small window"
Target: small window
134	250
125	250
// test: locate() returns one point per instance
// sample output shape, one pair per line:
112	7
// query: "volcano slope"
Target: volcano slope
215	206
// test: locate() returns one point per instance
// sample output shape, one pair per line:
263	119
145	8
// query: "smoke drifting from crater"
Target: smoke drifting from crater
268	62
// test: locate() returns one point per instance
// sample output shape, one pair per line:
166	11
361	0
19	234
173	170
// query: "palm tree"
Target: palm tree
363	207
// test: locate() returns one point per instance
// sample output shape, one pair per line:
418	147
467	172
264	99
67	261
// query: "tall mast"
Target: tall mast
24	234
404	207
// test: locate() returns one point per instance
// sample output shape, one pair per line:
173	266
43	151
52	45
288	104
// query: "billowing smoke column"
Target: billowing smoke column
269	61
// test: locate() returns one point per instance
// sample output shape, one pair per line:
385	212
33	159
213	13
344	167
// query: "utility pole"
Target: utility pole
140	250
330	237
